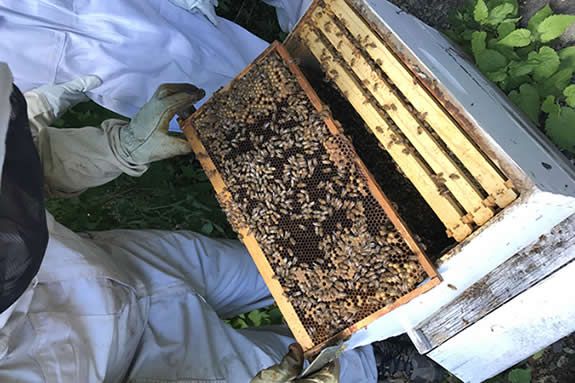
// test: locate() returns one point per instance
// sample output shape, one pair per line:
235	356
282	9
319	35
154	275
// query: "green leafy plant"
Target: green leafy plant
536	77
257	318
519	375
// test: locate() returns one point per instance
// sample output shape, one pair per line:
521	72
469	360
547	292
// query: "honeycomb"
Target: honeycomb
302	192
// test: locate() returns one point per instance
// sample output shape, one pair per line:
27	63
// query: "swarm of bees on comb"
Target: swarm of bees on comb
298	189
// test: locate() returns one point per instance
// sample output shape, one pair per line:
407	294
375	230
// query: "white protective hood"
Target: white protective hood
5	91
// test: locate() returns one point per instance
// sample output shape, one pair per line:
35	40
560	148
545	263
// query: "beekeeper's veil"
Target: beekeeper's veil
23	230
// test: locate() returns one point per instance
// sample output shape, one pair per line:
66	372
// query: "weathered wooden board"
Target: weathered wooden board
528	323
512	278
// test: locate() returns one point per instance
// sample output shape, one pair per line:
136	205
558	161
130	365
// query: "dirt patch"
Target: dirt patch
556	364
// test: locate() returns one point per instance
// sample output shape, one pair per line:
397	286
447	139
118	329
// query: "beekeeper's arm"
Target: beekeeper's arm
288	11
77	159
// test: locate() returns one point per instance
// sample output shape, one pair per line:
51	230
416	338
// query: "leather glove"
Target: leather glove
207	7
63	96
291	367
145	139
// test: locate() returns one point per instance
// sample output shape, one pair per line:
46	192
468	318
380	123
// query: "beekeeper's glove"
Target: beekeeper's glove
63	96
145	139
291	366
207	7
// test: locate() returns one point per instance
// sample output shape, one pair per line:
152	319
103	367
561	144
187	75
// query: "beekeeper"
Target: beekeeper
138	306
132	45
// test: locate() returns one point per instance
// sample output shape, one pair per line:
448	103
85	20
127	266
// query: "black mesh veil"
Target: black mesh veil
23	229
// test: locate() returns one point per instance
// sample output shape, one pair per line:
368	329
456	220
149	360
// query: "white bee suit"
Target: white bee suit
289	12
132	45
136	306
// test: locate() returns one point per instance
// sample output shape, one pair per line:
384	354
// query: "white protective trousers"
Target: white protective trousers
145	306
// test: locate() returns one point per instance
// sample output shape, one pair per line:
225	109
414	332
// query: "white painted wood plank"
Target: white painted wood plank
513	277
533	320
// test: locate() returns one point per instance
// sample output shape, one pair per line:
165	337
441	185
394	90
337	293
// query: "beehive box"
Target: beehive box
463	187
326	240
407	83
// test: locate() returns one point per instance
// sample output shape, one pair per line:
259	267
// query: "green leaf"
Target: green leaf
555	84
538	17
508	52
207	228
493	43
478	42
520	375
550	106
505	28
497	76
520	68
480	13
255	317
517	38
527	99
499	13
524	51
567	56
238	323
494	3
467	34
561	128
490	61
545	62
554	26
569	93
514	20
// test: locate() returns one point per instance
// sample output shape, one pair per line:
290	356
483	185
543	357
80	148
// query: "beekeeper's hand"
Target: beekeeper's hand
145	139
291	366
63	96
207	7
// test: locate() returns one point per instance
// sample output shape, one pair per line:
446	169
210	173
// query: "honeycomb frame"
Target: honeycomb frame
337	146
